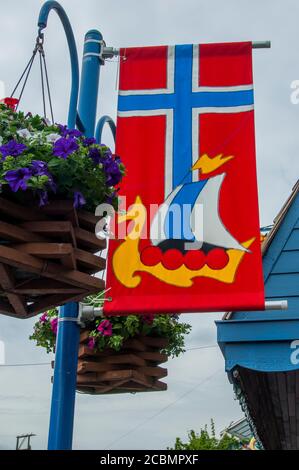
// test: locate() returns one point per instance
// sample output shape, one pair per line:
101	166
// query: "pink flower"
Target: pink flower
148	318
54	325
91	343
105	327
44	317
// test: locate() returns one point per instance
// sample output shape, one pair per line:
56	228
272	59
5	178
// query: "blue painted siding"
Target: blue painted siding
284	284
281	269
293	241
289	260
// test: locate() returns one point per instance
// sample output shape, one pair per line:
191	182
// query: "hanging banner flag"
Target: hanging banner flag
189	240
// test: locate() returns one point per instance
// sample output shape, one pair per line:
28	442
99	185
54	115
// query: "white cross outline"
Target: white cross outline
196	112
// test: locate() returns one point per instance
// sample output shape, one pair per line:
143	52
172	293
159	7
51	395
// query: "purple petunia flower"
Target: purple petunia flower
95	155
39	168
105	328
91	343
112	171
17	179
74	133
54	325
79	199
107	152
66	132
110	165
62	129
64	147
44	318
12	148
89	141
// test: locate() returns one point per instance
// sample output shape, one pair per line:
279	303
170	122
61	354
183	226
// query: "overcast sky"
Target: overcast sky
198	388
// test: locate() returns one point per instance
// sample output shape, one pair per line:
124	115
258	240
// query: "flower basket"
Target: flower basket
119	354
135	368
51	180
47	256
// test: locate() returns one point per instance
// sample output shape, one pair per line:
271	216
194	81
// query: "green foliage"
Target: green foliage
205	440
119	329
76	173
43	333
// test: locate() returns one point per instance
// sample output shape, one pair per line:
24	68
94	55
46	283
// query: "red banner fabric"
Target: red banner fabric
189	240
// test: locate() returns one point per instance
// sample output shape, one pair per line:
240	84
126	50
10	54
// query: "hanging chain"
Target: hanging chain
48	86
43	73
42	81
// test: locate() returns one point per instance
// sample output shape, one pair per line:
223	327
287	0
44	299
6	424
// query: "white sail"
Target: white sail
157	230
213	230
205	221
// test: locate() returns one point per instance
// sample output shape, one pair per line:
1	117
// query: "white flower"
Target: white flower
53	137
1	140
24	133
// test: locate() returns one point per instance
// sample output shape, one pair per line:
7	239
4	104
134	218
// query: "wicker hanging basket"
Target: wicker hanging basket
133	369
47	256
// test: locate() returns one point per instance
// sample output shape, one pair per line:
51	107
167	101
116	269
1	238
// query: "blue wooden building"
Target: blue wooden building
261	349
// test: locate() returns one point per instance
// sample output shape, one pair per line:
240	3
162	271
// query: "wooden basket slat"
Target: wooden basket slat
155	357
122	371
64	209
45	286
100	367
38	247
19	212
84	335
135	344
96	389
128	359
7	309
7	283
10	232
88	241
155	342
64	252
87	220
91	263
32	264
150	371
61	230
52	301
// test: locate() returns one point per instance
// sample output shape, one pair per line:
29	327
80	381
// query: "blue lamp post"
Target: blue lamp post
67	343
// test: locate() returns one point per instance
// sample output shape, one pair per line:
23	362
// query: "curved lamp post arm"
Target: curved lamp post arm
100	126
42	24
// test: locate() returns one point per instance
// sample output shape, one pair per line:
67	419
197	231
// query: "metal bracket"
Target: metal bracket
109	52
105	52
276	305
88	313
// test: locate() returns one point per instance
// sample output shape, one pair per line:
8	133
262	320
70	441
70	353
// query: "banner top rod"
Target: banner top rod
261	44
109	52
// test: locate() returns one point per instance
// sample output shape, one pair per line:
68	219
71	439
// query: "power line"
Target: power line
49	363
203	347
163	409
27	365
